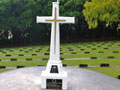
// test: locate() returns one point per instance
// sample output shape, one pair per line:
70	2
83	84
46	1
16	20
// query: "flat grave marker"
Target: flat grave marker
73	53
83	65
100	52
87	52
115	51
20	54
20	67
37	51
46	53
64	65
82	49
44	58
34	54
110	57
106	48
13	59
93	48
26	51
28	59
93	57
8	55
104	65
61	53
61	58
2	67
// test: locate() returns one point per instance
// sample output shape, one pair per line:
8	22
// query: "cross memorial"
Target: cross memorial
54	77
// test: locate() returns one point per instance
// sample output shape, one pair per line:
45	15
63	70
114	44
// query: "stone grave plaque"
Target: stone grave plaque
98	46
115	52
105	48
93	48
71	50
20	66
82	49
46	54
34	54
8	55
44	58
87	52
37	51
104	65
61	50
28	59
21	55
73	53
61	58
93	57
64	65
2	67
61	53
118	77
100	52
54	83
110	57
26	51
13	59
83	65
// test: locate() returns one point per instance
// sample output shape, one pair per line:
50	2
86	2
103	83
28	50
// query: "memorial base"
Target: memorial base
54	80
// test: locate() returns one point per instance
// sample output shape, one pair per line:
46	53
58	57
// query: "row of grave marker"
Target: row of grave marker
91	58
63	53
70	49
65	65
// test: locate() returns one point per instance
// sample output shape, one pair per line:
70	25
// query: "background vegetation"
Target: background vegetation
18	20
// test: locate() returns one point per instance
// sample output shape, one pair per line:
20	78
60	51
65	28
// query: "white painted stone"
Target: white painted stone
55	20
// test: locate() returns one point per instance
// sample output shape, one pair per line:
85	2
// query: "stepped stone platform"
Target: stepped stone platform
78	79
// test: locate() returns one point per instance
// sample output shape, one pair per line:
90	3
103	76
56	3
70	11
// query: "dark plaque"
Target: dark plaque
54	84
54	69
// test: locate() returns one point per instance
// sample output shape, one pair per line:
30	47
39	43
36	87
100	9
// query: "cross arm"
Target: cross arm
67	19
42	19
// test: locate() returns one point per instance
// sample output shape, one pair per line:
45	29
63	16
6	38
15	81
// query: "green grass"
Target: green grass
88	46
3	70
23	63
114	72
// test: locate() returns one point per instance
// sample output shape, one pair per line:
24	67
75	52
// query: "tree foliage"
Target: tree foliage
18	20
102	11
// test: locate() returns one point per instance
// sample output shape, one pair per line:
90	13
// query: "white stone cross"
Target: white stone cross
54	69
55	20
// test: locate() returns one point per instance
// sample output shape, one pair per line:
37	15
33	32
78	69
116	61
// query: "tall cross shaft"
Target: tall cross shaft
55	20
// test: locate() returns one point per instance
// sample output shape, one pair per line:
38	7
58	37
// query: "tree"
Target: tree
97	11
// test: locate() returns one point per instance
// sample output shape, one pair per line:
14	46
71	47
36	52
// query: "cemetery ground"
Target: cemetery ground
99	56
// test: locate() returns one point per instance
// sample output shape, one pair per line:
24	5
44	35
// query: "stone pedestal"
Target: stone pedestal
54	77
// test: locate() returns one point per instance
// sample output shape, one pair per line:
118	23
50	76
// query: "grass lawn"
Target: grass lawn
114	72
108	49
3	70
